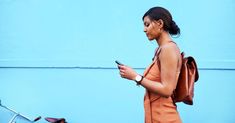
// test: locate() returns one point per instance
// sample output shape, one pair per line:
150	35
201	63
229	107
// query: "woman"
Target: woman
160	78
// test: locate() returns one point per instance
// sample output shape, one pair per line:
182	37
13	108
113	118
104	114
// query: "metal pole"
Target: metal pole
13	118
16	114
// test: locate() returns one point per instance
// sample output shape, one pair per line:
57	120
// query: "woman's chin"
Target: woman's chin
150	39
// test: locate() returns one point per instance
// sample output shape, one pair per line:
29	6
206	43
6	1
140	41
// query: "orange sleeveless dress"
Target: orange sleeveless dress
158	109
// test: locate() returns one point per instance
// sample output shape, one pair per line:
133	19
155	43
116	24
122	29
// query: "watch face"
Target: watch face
138	78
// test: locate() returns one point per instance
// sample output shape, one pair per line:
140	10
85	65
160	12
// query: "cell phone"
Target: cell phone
119	63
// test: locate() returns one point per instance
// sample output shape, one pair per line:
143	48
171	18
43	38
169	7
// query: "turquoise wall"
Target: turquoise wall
57	58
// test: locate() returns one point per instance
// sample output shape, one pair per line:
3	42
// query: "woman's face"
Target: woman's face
151	28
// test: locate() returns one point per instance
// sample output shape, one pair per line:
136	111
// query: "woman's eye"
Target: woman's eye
146	24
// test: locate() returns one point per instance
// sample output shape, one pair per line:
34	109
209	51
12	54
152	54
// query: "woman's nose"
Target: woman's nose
145	30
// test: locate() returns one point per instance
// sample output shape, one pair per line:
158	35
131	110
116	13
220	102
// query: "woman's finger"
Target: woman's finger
122	74
121	66
121	70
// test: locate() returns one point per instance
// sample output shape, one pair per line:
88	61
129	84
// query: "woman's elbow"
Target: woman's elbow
164	93
167	93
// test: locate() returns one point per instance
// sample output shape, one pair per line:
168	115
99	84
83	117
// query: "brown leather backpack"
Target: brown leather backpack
184	91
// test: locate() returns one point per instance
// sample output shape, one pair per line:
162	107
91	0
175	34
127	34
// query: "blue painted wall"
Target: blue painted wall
57	58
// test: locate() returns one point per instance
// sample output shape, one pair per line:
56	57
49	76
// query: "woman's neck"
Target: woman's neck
163	39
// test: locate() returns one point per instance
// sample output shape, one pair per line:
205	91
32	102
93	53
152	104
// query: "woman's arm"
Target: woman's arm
169	61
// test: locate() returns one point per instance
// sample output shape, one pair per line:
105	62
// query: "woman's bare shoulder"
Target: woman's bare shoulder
170	47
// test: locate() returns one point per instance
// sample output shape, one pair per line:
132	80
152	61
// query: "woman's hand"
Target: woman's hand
127	72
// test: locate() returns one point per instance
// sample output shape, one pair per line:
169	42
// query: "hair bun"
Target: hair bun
174	29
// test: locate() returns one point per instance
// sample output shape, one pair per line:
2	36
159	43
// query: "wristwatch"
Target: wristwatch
138	79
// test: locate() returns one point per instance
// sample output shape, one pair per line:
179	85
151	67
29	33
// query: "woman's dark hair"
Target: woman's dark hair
157	13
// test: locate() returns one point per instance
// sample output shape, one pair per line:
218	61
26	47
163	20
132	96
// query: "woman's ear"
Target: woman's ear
160	23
